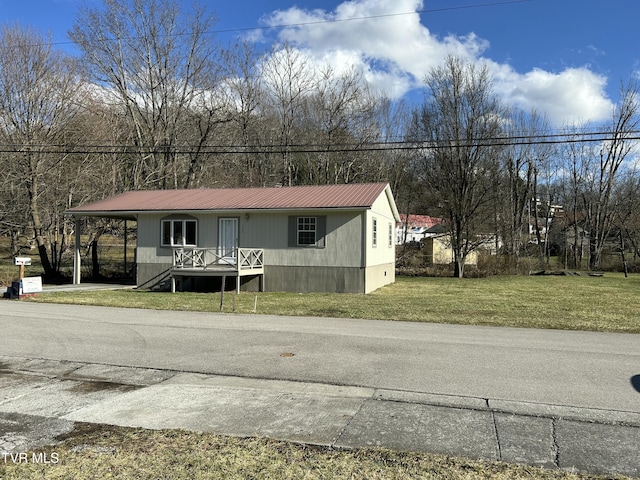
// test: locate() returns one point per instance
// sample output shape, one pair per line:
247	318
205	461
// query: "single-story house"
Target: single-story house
327	238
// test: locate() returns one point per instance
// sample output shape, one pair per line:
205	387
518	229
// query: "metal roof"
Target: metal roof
419	220
274	198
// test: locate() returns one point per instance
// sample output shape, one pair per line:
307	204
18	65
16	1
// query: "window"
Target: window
307	227
179	233
375	232
390	235
307	231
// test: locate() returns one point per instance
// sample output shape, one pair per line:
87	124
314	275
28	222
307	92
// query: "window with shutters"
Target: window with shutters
307	231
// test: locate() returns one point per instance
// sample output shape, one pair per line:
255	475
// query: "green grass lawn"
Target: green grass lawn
609	303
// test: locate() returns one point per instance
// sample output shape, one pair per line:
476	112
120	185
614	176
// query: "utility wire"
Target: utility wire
407	145
370	17
327	21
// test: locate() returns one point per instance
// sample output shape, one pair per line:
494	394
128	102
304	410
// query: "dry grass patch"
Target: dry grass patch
97	452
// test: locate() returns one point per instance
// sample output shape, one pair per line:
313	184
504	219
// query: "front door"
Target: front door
228	240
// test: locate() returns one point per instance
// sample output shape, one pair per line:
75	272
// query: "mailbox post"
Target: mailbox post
21	262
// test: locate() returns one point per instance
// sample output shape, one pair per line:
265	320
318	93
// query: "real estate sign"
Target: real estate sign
31	285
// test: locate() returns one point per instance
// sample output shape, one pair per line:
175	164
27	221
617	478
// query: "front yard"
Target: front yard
609	303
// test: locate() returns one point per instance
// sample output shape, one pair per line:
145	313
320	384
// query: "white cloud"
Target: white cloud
573	96
396	51
380	37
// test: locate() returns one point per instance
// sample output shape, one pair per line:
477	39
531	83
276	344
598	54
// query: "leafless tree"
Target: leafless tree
575	168
245	85
460	118
339	116
605	168
523	165
288	79
155	63
41	92
393	120
628	212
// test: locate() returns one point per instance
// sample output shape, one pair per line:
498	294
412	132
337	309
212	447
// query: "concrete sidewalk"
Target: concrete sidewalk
40	399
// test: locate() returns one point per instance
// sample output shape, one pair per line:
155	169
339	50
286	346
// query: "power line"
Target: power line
327	21
403	145
370	17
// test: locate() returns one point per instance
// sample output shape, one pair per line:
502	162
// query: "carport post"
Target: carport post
76	252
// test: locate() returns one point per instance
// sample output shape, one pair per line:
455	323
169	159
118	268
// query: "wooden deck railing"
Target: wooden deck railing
251	258
203	258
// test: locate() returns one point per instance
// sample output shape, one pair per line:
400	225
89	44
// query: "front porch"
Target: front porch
199	262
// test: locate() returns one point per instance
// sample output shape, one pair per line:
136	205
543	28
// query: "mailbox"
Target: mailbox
21	261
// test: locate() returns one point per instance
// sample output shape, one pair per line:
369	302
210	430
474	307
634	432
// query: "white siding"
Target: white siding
382	253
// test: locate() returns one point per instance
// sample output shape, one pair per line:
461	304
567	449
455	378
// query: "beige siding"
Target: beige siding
149	250
149	236
208	230
378	276
438	251
270	232
384	251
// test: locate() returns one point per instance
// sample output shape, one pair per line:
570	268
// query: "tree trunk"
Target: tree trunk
32	186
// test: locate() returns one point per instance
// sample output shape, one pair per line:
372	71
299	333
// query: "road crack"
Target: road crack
554	438
495	431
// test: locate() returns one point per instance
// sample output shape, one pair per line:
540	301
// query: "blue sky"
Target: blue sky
566	58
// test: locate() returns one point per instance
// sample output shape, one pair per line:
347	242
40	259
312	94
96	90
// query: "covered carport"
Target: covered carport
79	214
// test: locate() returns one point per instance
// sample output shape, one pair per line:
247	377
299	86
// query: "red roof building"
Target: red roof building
419	221
229	199
326	238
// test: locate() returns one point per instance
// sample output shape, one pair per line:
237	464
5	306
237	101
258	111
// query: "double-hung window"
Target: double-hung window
374	233
179	232
306	231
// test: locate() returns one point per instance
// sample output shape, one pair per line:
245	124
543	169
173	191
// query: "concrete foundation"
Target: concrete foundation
277	279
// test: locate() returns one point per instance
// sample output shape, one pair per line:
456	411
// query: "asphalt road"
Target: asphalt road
582	369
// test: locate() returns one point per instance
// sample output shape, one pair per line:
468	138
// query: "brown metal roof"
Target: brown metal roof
288	198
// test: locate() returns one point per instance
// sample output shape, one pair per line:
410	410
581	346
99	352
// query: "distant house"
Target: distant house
333	238
568	236
437	250
413	228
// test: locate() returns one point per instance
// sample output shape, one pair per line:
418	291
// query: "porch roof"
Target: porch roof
129	204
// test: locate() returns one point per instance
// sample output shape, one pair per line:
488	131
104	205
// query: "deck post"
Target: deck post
238	284
224	281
